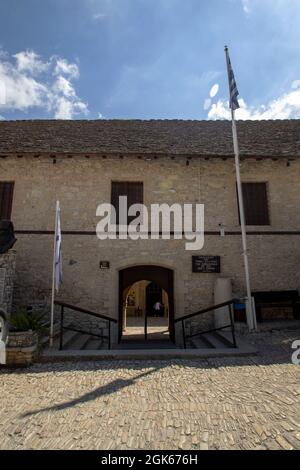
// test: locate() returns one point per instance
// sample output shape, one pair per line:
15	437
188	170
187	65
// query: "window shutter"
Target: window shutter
132	189
6	198
255	204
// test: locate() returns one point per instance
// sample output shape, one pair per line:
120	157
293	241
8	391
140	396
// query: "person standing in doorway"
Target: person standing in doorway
157	306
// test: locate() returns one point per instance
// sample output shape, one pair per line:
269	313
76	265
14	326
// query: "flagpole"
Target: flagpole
53	275
251	320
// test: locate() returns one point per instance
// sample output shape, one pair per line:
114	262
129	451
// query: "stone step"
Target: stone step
128	344
78	342
50	355
216	340
68	337
201	342
227	338
95	344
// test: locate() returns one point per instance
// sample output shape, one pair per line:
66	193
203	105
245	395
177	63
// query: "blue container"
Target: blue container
239	306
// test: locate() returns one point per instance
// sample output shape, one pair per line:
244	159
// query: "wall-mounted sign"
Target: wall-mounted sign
206	264
104	265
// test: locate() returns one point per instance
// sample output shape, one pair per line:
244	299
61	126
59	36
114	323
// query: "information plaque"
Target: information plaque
206	264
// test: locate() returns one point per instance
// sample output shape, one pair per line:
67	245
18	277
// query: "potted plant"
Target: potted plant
24	332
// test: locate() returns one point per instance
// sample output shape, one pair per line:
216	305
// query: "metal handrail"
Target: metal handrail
205	310
64	305
84	310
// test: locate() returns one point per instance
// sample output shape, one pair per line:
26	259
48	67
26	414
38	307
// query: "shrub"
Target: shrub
24	321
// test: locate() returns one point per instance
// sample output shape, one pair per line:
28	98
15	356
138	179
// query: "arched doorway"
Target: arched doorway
160	278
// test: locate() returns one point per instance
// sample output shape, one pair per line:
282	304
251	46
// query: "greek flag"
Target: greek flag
233	101
58	251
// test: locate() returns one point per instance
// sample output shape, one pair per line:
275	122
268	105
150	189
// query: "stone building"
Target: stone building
85	163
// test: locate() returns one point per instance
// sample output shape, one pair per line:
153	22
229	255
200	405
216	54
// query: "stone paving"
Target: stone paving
225	403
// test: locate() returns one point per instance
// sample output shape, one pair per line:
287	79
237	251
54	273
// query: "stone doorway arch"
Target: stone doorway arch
154	273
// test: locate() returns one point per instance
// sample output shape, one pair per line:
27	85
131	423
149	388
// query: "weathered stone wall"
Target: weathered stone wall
7	276
81	184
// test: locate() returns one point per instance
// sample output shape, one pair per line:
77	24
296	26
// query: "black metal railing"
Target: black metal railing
182	319
146	325
64	305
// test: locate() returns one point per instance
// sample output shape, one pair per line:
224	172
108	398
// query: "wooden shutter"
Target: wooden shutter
256	203
132	189
6	198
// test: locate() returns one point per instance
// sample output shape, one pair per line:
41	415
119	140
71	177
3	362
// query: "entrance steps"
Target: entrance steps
154	349
214	340
73	341
135	344
51	355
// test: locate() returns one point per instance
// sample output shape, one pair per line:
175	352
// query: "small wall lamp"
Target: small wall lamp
222	230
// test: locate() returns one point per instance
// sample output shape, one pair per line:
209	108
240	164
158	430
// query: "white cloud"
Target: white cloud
30	61
63	109
3	54
22	86
64	67
66	109
214	90
20	90
207	104
286	106
64	86
246	6
295	84
285	9
66	103
99	16
2	93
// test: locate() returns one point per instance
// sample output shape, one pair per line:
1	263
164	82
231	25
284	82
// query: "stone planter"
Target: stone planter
21	347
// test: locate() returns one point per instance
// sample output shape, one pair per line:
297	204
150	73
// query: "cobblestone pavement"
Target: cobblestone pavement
230	403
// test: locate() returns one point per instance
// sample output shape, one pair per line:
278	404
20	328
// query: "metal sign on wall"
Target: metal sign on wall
104	265
206	264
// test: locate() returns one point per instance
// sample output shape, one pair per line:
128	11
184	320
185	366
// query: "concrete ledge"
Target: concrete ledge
54	355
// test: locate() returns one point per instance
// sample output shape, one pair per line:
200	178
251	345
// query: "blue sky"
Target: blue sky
148	59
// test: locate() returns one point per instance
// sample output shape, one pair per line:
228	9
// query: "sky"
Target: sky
148	59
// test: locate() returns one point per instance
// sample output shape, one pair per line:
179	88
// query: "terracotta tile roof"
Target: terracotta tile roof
256	138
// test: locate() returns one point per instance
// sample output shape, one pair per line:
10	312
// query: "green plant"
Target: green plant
25	321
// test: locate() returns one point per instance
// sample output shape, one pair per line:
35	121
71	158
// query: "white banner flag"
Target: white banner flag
57	267
58	253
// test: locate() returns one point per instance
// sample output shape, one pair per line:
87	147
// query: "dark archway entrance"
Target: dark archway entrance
161	277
